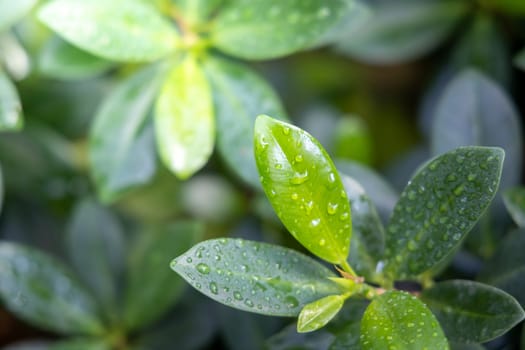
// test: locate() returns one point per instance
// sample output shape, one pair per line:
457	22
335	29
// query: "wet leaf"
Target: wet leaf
10	106
61	60
399	321
122	146
472	312
519	60
197	11
120	30
184	119
318	313
439	206
402	31
40	290
149	276
95	239
368	234
514	199
304	188
13	11
262	29
239	96
255	277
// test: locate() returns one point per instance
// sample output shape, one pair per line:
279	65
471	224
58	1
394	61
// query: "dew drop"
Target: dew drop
308	207
245	268
248	303
237	295
203	268
299	178
295	196
298	158
286	130
213	288
315	222
189	260
322	242
331	208
291	302
344	216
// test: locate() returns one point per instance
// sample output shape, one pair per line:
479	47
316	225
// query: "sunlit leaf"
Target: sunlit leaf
304	188
256	277
318	313
10	106
13	11
514	199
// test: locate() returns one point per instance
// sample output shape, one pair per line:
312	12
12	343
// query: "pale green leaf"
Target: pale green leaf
304	188
121	30
10	105
197	12
514	199
318	313
256	277
13	11
184	119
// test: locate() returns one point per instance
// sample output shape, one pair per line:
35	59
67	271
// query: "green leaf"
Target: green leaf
61	60
197	12
348	338
13	11
150	278
120	30
10	106
95	243
40	290
353	140
461	346
255	277
368	234
404	30
262	29
1	189
81	344
122	146
514	199
289	339
318	313
519	60
471	312
439	206
239	96
304	188
511	7
184	119
399	321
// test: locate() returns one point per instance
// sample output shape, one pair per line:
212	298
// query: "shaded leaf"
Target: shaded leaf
81	344
256	277
398	320
348	338
149	276
290	339
461	346
512	7
122	146
10	106
519	60
261	29
184	119
439	206
239	96
317	314
40	290
304	188
471	312
353	140
13	11
1	189
28	345
514	199
120	30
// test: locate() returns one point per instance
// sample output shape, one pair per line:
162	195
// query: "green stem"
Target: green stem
348	269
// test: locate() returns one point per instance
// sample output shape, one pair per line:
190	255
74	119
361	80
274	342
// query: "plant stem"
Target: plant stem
348	269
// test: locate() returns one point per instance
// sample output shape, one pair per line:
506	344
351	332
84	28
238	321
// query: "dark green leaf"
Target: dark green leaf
512	7
13	11
239	96
461	346
120	30
196	12
1	189
262	29
439	206
304	188
40	290
10	106
353	140
95	242
398	320
81	344
289	339
256	277
184	119
403	30
471	312
514	199
348	338
317	314
150	278
122	146
368	234
519	60
28	345
61	60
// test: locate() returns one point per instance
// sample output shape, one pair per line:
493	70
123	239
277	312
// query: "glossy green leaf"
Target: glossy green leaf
368	234
81	344
95	239
318	313
61	60
472	312
40	290
239	96
304	188
122	145
506	269
400	321
439	206
197	12
10	106
262	29
514	199
149	276
121	30
519	60
403	30
13	11
184	119
474	110
256	277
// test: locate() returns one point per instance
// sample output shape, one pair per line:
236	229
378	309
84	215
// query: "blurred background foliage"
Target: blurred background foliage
395	83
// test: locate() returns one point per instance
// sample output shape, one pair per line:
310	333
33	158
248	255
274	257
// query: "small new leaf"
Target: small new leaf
514	199
304	188
317	314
